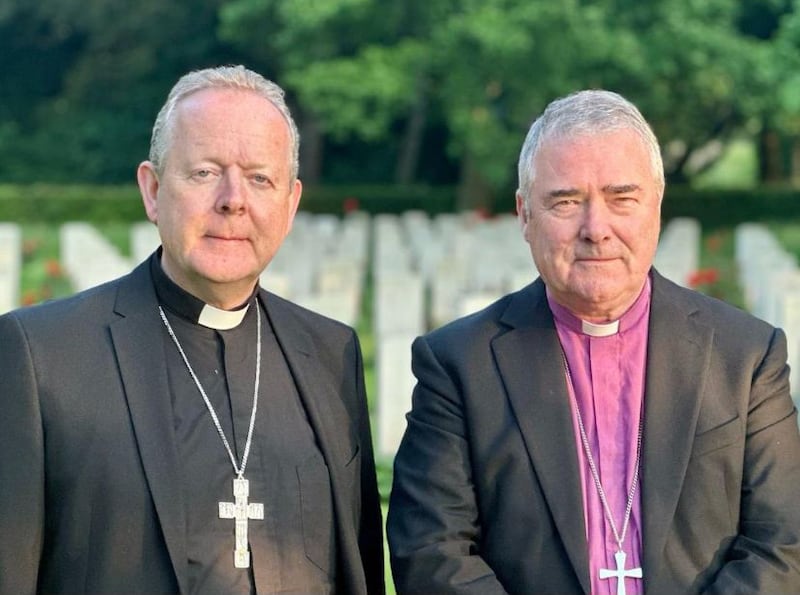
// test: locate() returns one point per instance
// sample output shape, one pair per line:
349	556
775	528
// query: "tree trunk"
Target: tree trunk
769	156
405	171
794	174
311	149
474	193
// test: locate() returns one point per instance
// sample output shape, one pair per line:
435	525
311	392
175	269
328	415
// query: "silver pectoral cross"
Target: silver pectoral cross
241	511
620	573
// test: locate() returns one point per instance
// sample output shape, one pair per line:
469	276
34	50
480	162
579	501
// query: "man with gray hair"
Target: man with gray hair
180	429
602	430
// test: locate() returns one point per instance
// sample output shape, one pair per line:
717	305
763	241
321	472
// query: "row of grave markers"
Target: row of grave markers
425	272
770	278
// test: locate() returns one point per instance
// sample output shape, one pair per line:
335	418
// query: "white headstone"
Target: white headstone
395	385
678	254
10	265
760	258
88	258
399	304
144	241
786	309
770	279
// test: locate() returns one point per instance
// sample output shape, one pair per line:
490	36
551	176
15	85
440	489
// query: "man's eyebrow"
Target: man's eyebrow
608	189
563	192
621	188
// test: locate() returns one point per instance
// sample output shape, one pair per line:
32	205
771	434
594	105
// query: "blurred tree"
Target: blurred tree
499	62
780	132
700	70
355	68
88	80
419	90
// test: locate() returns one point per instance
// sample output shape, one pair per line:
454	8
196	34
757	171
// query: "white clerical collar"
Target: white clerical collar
221	320
600	330
190	307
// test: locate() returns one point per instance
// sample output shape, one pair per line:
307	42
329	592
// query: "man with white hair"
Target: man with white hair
602	430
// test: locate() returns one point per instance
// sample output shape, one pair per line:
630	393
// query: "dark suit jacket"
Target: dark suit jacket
89	501
487	495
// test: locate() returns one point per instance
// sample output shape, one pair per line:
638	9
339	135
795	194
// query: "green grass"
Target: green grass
119	235
789	236
42	277
387	571
717	258
718	255
736	168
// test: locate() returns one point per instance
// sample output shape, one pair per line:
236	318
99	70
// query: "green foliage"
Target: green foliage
737	168
85	80
122	203
785	72
48	203
41	275
108	204
716	208
363	95
379	198
789	236
454	83
717	257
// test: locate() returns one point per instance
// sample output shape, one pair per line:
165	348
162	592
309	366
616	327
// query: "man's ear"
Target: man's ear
523	211
294	201
147	178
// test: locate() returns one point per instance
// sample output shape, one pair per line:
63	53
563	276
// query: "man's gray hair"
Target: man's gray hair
221	77
585	113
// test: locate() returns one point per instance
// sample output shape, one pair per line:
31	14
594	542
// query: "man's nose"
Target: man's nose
596	225
231	197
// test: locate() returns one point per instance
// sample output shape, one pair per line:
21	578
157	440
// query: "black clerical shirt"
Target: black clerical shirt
293	548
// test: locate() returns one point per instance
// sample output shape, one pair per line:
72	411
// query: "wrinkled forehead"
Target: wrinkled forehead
620	147
221	115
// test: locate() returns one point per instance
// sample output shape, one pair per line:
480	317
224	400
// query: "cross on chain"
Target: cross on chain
620	573
241	511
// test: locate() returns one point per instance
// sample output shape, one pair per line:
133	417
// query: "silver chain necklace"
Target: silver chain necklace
620	573
240	509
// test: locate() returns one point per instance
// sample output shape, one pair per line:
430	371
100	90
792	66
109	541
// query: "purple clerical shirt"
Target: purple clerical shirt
606	366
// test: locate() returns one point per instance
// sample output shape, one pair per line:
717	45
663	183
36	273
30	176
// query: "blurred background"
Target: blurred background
412	114
432	92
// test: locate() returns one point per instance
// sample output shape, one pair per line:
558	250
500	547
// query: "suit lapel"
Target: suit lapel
138	348
328	419
529	358
678	356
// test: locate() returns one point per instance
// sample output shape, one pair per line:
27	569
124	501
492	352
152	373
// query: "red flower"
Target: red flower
350	204
703	277
29	298
53	268
483	213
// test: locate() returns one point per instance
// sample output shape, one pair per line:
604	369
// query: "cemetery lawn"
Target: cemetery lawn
42	277
789	236
718	275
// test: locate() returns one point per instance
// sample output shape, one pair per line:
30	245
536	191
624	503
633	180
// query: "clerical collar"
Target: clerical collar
638	309
184	304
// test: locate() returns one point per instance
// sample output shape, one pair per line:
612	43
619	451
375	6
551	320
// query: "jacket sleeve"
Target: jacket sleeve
433	525
765	555
21	463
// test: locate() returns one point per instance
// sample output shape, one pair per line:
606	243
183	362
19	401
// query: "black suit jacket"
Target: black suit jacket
89	501
487	494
